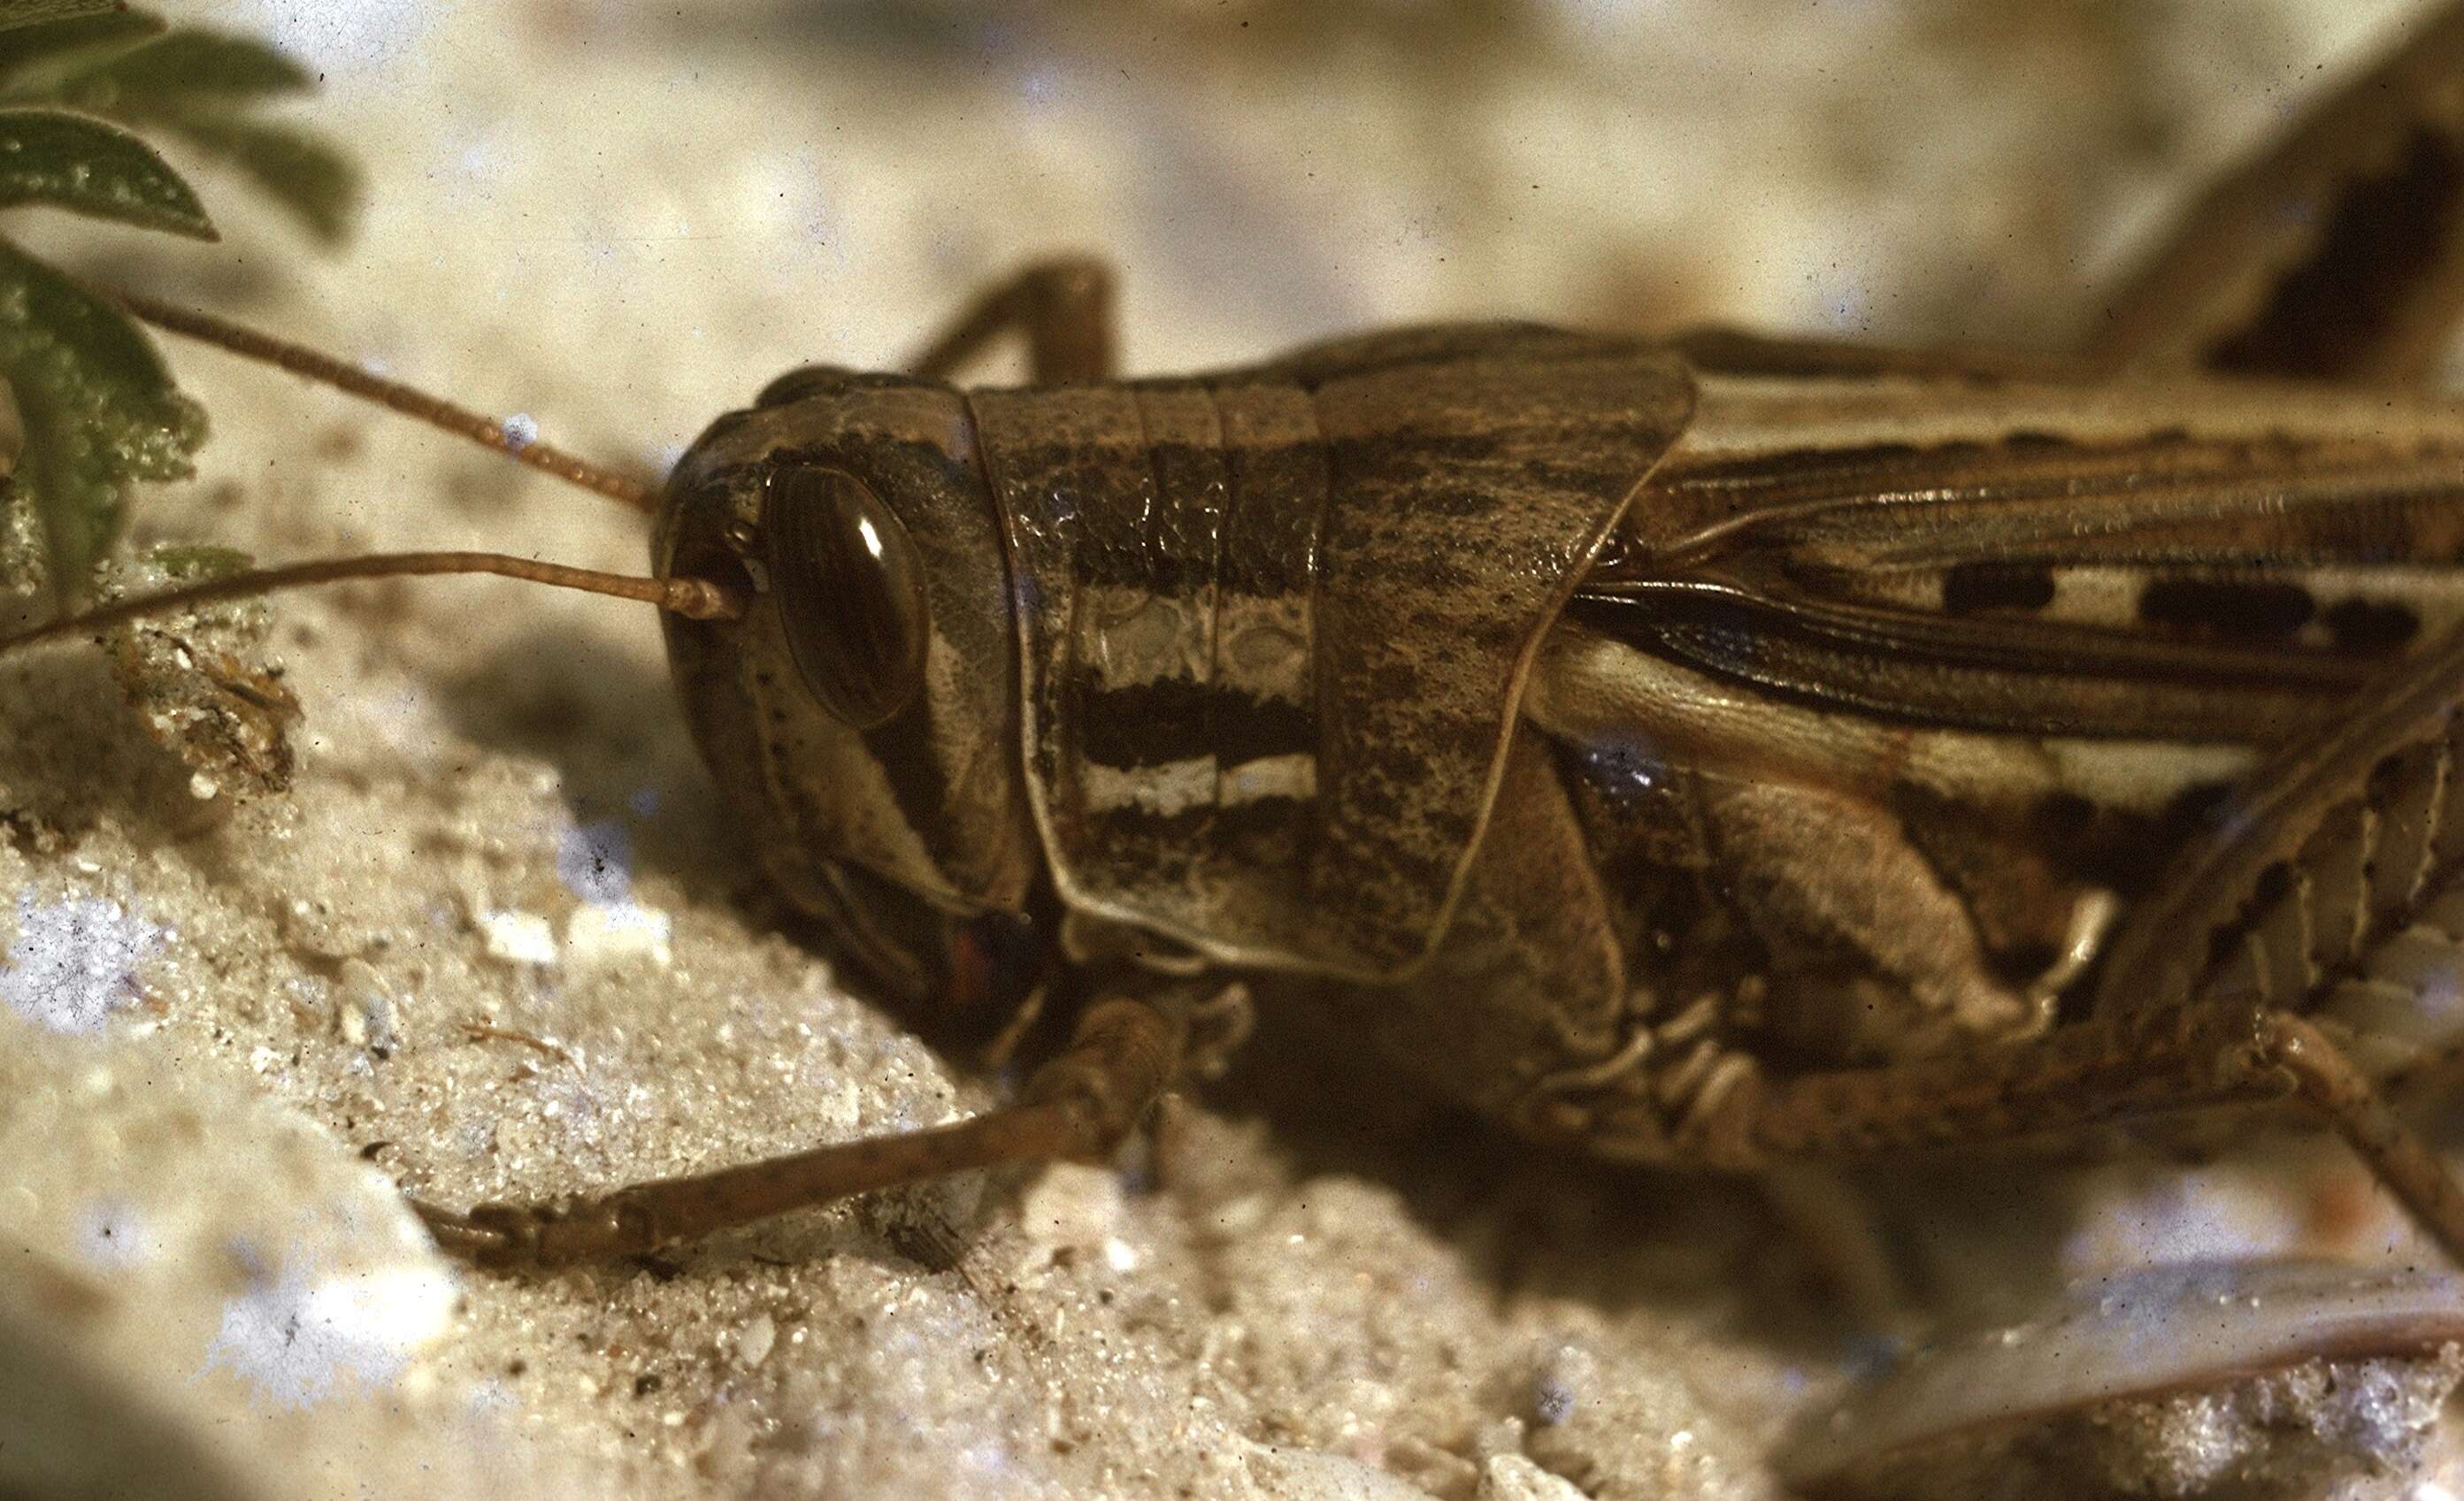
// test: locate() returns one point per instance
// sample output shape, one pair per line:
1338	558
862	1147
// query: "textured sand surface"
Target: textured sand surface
499	941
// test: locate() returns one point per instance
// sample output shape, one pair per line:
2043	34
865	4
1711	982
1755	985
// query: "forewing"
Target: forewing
2220	566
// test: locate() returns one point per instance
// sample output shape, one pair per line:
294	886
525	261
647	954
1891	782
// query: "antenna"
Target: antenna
695	599
436	411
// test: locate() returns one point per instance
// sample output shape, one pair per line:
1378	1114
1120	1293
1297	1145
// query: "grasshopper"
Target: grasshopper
1714	753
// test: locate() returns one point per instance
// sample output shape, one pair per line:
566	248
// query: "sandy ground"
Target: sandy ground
498	938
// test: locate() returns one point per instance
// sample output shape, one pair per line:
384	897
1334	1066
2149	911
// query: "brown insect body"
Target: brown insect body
1271	673
1704	753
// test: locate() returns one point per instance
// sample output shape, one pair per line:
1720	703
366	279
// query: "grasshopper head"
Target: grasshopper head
863	714
840	630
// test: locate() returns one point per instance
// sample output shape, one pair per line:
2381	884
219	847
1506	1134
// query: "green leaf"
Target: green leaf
26	594
35	12
83	164
100	413
189	66
318	183
36	61
193	83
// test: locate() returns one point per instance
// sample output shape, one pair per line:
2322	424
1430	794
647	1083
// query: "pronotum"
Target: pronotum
1710	752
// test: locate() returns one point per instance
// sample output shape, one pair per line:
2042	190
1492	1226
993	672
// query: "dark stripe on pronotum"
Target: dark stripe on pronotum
1175	720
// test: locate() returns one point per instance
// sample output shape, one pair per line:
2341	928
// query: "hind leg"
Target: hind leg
2338	253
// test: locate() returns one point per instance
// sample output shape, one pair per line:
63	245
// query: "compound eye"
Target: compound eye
850	593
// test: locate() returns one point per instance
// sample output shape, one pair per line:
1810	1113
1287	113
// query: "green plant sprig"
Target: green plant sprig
95	410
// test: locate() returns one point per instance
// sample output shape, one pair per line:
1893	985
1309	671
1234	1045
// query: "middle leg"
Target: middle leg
1063	306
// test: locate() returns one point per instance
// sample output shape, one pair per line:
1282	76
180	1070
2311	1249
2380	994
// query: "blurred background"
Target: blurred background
644	211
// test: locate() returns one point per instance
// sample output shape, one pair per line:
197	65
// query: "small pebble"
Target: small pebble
754	1340
1511	1477
518	937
